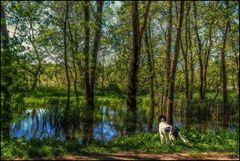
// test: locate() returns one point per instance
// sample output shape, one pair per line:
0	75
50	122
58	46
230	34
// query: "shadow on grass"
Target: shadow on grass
222	141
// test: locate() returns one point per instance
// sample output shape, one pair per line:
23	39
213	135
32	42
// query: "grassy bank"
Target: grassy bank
221	141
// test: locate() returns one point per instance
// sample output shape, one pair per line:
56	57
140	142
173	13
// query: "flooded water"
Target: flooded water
108	123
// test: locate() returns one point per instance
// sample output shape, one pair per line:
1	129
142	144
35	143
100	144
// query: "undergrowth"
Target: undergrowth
221	141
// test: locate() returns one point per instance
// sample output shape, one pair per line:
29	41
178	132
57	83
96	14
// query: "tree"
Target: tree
75	79
185	58
168	49
6	76
86	55
96	44
134	65
199	43
191	53
223	68
66	59
151	77
170	98
90	65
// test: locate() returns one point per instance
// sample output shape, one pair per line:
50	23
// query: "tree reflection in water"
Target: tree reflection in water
104	123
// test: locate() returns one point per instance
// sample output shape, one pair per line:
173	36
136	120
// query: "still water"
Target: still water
108	123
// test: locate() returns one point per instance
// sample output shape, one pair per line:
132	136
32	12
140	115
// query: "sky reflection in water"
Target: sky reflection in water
43	122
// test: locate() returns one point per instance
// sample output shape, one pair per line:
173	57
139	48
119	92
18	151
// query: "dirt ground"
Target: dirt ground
147	156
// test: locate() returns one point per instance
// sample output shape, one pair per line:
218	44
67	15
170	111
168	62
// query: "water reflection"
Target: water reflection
103	124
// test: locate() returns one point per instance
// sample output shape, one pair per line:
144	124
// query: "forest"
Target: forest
88	79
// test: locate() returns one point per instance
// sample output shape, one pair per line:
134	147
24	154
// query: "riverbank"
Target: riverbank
139	145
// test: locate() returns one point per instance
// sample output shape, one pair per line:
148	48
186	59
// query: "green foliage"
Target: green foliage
35	55
47	91
221	141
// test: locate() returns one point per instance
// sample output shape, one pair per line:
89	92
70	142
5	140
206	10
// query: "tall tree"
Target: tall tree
6	77
191	54
238	78
66	59
90	62
75	78
223	68
206	60
170	98
199	44
86	55
151	77
185	58
168	49
90	67
134	65
96	44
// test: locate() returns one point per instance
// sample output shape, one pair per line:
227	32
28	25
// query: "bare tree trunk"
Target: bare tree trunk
160	105
191	58
151	73
168	49
132	85
6	78
206	60
238	79
224	72
238	65
95	48
173	67
185	58
74	65
66	60
185	53
199	52
89	99
134	65
90	67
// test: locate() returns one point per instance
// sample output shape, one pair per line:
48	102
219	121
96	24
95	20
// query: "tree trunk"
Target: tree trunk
74	64
90	68
170	98
134	64
37	72
95	48
88	97
201	92
6	78
185	53
168	49
88	127
132	89
238	79
151	73
191	59
160	105
185	58
66	60
36	75
224	72
206	60
238	65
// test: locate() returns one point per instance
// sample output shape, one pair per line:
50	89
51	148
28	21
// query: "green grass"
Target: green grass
42	91
41	95
222	141
44	101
